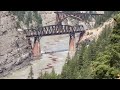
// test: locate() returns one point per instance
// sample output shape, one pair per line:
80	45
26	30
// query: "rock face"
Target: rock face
27	19
15	51
48	17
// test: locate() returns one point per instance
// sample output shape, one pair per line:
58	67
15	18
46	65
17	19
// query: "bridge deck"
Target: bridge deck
53	30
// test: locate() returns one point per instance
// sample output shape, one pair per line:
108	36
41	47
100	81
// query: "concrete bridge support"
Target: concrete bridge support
36	48
80	36
72	46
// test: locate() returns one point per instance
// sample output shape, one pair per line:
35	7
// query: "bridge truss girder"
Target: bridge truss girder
61	16
53	30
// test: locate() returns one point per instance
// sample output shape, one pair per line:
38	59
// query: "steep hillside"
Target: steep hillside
27	19
15	52
94	33
48	17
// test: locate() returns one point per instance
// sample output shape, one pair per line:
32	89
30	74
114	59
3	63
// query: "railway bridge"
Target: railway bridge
53	30
58	29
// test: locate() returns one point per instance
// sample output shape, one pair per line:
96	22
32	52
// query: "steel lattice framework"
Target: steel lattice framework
53	30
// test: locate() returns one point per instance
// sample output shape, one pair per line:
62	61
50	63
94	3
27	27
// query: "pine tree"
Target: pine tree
27	16
53	74
31	73
81	52
108	61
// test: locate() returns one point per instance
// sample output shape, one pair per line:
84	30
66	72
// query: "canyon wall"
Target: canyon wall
15	52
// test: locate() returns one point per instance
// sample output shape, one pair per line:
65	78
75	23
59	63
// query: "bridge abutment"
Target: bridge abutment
72	47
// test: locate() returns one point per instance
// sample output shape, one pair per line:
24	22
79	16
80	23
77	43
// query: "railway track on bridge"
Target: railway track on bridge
53	30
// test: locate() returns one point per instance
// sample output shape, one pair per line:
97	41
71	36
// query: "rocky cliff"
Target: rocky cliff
48	17
27	19
15	51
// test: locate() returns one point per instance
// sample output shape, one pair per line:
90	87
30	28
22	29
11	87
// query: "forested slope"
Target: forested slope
27	19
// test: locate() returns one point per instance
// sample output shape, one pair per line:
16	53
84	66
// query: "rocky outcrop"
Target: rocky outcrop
27	19
48	17
15	52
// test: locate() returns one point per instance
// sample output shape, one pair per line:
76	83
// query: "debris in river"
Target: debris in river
54	59
49	57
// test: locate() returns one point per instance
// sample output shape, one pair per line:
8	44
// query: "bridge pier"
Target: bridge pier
72	47
80	36
36	48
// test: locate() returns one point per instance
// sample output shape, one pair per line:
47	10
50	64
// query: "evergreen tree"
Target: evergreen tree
31	73
109	60
103	18
27	17
47	75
